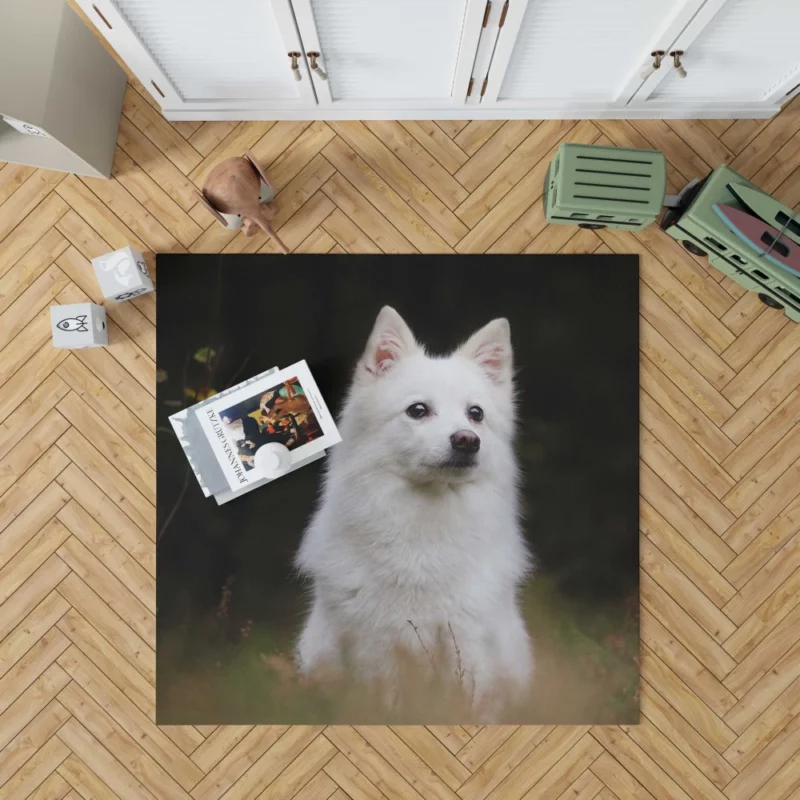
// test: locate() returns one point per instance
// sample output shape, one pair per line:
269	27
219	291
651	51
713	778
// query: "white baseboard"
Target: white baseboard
651	111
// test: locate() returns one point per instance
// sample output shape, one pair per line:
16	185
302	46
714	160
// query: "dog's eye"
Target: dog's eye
475	413
417	410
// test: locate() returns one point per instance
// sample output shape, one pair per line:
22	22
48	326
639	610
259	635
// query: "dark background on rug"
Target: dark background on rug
224	572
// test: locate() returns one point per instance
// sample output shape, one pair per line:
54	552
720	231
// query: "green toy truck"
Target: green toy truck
605	187
701	231
599	187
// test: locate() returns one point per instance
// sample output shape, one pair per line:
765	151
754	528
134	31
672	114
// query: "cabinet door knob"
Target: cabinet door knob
313	56
657	55
295	66
676	60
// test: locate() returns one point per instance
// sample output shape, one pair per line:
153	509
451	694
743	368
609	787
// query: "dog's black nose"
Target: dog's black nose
465	442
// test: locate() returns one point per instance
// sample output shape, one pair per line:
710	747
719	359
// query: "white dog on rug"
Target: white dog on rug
415	551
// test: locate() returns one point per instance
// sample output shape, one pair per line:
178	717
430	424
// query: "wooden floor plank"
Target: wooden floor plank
673	581
669	731
36	297
695	459
118	491
476	133
159	131
419	161
109	587
365	216
384	198
381	159
138	147
764	546
536	145
12	176
289	747
243	136
132	573
768	688
122	637
680	552
493	152
209	135
147	192
719	509
31	702
714	730
227	772
300	232
685	412
152	740
30	267
771	137
761	587
135	463
30	230
31	738
37	769
299	153
437	143
661	136
83	780
17	207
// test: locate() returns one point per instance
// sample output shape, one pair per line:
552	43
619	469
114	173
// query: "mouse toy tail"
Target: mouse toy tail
265	226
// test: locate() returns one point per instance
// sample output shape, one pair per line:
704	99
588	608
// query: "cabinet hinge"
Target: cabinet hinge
483	88
503	15
469	88
487	12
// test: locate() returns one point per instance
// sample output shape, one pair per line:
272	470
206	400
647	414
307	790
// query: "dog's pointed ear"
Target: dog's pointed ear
391	339
490	348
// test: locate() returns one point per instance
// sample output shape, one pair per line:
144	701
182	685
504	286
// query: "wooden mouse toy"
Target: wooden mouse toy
237	192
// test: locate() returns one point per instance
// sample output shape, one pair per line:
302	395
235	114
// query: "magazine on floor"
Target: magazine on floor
278	410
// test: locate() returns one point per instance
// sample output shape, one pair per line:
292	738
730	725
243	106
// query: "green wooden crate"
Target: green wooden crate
697	226
597	187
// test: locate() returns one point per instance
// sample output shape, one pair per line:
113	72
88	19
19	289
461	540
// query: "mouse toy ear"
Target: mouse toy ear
490	348
213	211
257	167
391	340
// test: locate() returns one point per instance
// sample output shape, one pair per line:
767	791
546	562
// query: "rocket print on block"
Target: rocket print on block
78	325
74	324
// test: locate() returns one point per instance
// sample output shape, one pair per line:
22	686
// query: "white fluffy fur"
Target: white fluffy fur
397	537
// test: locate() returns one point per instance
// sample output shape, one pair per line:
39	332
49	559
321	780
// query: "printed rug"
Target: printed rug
467	553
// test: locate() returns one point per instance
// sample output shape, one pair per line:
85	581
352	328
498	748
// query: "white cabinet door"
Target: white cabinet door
208	54
579	54
389	54
735	51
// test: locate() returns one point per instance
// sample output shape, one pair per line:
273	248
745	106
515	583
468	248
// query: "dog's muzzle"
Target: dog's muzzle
464	447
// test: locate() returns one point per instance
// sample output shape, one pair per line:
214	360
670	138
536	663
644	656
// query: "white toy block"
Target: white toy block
122	274
25	127
78	325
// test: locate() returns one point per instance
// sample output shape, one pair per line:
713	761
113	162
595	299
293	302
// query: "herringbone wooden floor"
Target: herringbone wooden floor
720	508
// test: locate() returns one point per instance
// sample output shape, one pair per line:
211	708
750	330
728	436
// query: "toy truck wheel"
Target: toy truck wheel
769	301
693	248
592	226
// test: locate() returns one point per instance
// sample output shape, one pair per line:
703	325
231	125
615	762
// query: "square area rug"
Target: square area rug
468	553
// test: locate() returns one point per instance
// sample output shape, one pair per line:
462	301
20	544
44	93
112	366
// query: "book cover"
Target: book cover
284	407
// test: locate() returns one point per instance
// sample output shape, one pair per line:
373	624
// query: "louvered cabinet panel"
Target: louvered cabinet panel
211	49
380	52
747	52
437	59
216	56
574	50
